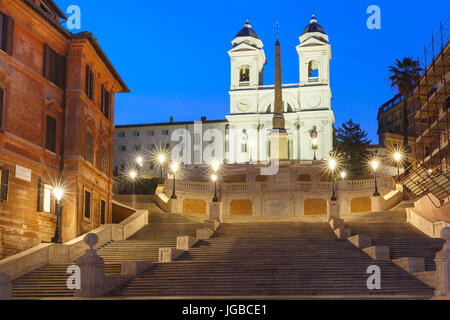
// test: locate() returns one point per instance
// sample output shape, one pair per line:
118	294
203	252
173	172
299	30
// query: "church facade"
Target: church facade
306	109
306	105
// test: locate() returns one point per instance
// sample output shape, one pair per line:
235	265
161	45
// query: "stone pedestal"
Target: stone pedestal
175	206
185	242
443	266
278	144
379	253
377	204
92	269
361	241
215	211
211	225
204	234
169	254
333	210
411	264
5	287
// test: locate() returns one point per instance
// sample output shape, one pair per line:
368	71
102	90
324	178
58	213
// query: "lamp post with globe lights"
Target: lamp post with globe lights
375	165
315	145
162	160
214	177
140	161
175	167
398	158
58	193
332	165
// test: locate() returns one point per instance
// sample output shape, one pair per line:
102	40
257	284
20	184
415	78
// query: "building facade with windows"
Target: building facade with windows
150	140
56	126
390	125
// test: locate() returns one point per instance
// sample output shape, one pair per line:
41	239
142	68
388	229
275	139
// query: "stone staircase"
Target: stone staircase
50	281
274	259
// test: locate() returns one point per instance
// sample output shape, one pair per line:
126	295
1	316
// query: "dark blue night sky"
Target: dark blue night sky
173	54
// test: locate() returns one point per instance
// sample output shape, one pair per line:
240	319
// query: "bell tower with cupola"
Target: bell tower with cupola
247	59
314	54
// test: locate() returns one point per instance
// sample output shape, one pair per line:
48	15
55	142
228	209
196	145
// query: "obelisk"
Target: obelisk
278	135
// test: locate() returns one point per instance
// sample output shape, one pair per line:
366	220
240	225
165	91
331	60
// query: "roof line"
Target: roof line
165	124
87	35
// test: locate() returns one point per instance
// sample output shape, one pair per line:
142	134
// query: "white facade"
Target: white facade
306	104
150	140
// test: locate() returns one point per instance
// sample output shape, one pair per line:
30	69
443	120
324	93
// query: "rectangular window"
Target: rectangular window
104	164
50	133
6	33
89	83
4	184
136	134
44	197
123	148
121	134
2	95
151	133
165	132
102	211
87	204
137	148
54	66
106	102
89	144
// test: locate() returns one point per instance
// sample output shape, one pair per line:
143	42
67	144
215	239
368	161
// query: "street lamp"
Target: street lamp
174	168
315	145
58	193
398	158
133	174
214	179
161	160
332	164
140	161
343	175
375	164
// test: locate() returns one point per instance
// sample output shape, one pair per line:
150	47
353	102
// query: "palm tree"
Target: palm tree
405	76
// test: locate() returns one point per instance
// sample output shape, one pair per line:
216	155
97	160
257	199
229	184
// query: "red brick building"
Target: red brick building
56	126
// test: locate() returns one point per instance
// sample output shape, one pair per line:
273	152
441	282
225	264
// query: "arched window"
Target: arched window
244	141
313	71
244	73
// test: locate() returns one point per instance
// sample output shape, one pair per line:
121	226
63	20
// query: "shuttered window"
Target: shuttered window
6	33
54	66
106	102
87	204
4	183
50	133
40	196
102	211
104	163
89	83
89	147
2	101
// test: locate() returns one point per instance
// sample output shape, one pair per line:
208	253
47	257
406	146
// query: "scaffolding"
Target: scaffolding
431	121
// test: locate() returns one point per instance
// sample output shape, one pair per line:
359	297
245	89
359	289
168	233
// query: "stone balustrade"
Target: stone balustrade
52	253
281	186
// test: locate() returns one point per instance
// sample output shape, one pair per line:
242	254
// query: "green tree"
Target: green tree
404	76
352	149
